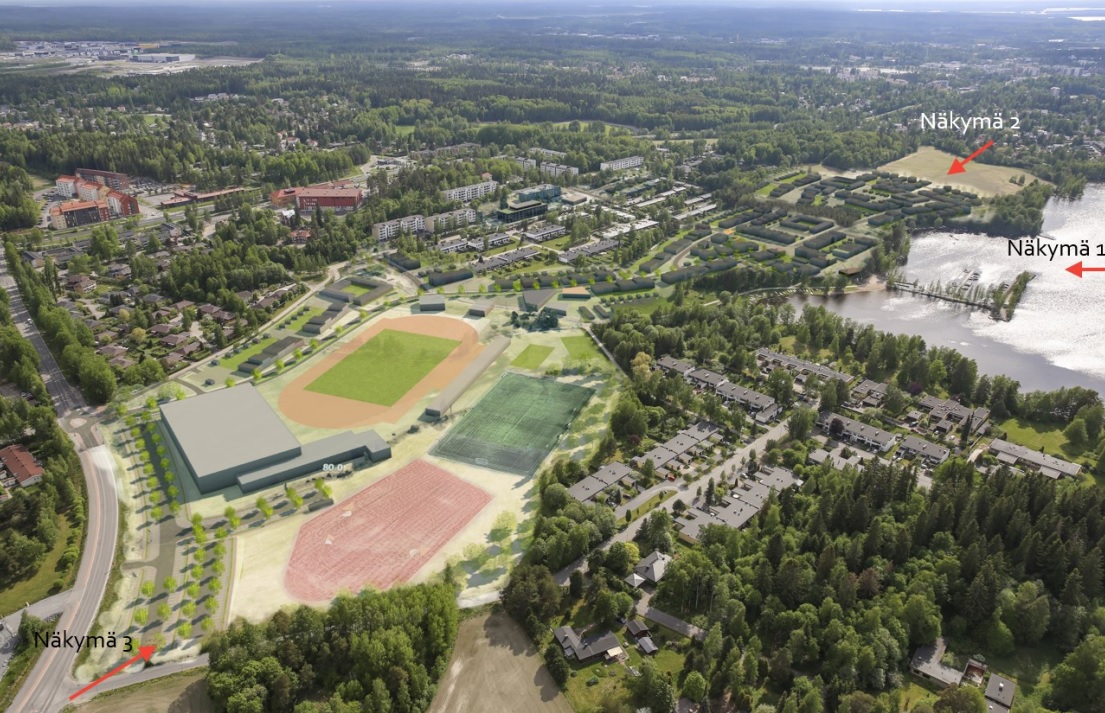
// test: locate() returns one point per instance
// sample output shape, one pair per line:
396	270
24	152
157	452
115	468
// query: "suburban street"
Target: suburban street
719	474
50	682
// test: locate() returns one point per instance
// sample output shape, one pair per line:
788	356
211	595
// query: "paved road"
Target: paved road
9	625
50	682
719	473
148	673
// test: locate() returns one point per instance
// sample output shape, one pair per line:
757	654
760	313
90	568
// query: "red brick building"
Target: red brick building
338	196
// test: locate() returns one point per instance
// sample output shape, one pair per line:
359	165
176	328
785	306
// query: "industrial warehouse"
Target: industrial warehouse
233	437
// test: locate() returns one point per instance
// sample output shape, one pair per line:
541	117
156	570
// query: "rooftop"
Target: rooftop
226	429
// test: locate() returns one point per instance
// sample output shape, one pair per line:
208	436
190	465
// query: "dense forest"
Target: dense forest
376	652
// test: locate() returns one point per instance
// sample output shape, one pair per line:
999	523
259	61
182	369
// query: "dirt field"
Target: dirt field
186	693
382	535
495	668
933	165
326	411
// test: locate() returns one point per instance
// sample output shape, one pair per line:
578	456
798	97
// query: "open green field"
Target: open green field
384	368
581	348
1040	437
932	165
301	321
233	362
532	357
40	585
515	426
355	289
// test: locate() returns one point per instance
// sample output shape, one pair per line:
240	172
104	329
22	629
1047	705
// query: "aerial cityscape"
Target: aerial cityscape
695	357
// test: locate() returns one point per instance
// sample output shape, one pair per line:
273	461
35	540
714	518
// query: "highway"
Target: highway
49	684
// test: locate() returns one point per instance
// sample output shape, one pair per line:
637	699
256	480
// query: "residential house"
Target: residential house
1000	692
933	454
856	432
653	567
1014	454
587	650
19	461
927	664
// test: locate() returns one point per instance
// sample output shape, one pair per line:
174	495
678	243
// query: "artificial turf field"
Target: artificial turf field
384	368
516	425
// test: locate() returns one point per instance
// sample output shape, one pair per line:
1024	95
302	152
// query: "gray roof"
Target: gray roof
700	431
746	397
647	645
433	300
1047	464
858	430
801	365
653	566
928	450
1001	690
926	660
613	472
336	449
673	364
587	488
228	429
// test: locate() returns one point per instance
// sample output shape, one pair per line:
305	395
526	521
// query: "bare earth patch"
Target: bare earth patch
932	165
495	668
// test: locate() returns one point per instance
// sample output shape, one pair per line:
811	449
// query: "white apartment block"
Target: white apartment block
394	228
621	164
469	193
557	169
451	219
418	223
525	163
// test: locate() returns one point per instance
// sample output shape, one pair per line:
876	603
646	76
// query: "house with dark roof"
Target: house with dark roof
637	628
589	649
706	379
672	364
762	406
19	461
1000	692
856	432
927	664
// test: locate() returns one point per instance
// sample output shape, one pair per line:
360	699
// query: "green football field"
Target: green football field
384	368
516	425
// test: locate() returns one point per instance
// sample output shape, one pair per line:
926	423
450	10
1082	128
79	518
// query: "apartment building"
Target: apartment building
621	164
464	194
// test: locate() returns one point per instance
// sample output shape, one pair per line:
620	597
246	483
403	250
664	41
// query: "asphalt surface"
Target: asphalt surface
50	682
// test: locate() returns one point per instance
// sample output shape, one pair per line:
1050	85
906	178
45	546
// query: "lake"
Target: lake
1057	334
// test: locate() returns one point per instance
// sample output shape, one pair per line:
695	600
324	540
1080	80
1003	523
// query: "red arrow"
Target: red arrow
959	166
144	652
1077	269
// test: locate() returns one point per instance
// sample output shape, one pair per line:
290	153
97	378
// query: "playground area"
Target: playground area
516	425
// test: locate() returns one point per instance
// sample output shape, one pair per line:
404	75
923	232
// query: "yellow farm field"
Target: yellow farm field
932	165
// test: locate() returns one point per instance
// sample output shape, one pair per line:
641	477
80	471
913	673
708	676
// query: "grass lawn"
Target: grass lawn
532	357
301	321
1037	436
642	306
912	694
581	348
384	368
235	361
355	290
41	584
613	679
